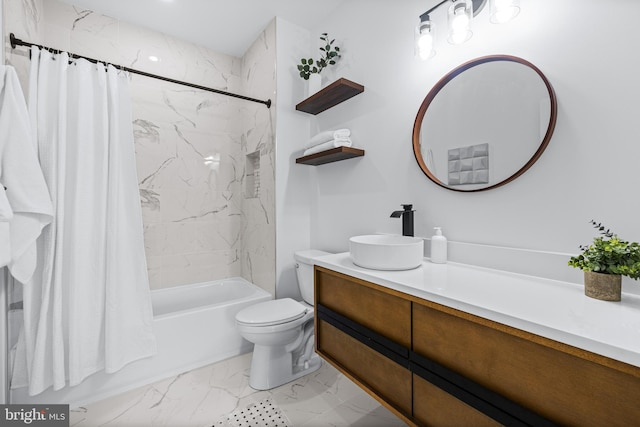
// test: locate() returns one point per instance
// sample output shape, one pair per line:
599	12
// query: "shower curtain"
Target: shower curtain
88	306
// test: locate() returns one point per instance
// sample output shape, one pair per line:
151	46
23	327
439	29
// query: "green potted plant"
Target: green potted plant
605	261
310	69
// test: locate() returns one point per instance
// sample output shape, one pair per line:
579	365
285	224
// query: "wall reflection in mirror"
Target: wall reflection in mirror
484	123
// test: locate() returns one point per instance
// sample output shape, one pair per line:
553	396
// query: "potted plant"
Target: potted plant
605	261
310	69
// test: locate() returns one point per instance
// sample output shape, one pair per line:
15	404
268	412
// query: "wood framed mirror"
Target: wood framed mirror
484	124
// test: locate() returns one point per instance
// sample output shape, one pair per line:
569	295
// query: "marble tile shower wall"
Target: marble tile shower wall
258	141
191	145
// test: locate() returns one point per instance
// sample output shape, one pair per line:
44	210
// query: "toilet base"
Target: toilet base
273	366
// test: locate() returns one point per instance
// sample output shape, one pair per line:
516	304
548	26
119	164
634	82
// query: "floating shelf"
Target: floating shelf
332	95
333	155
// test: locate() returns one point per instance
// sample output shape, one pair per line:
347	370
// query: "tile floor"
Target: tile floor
206	396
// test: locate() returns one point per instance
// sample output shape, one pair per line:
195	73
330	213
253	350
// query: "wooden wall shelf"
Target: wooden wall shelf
332	95
333	155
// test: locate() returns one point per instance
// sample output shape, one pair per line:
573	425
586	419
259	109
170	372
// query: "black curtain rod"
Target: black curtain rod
17	42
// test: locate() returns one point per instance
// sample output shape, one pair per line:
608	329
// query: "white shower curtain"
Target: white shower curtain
88	306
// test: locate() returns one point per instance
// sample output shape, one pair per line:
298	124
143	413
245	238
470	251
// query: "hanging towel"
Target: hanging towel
20	173
327	136
6	214
340	142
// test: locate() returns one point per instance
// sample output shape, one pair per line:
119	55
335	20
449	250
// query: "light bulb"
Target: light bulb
458	37
460	21
425	46
425	39
504	10
460	14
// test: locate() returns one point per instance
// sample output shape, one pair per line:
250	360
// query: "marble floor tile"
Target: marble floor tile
203	397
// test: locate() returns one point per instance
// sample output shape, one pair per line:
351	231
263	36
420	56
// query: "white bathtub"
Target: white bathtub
194	326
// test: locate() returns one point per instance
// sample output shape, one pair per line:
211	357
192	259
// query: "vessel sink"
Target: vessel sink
386	251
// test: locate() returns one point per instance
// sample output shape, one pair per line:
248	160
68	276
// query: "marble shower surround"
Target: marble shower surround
190	144
258	136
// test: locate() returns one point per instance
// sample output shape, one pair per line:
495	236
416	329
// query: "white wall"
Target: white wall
588	171
293	184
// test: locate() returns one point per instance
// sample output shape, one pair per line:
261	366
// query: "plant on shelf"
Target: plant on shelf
610	256
330	54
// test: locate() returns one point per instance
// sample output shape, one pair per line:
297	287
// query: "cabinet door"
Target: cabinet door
564	384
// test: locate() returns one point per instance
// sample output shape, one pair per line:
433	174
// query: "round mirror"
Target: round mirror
484	124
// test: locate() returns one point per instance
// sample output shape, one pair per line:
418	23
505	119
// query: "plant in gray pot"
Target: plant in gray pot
604	262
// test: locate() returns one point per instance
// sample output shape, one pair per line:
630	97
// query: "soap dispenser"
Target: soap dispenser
438	247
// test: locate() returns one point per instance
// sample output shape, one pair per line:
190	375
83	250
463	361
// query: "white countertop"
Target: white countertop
556	310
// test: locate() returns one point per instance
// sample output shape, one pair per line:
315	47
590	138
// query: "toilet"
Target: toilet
282	332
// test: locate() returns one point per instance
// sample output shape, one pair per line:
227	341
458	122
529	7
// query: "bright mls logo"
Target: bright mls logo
35	415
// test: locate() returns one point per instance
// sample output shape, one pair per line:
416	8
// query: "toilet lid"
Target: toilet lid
272	312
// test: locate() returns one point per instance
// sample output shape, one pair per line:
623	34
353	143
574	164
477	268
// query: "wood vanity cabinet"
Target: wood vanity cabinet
436	366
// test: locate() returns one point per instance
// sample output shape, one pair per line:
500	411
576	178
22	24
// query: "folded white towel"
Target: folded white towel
327	136
20	172
6	214
338	142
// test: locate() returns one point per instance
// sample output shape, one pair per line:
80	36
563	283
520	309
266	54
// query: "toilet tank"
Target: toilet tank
304	271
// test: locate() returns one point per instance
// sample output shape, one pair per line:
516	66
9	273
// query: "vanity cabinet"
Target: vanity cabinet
437	366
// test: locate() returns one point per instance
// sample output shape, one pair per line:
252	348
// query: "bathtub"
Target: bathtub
194	326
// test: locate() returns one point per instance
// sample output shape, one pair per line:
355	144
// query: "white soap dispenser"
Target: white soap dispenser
438	247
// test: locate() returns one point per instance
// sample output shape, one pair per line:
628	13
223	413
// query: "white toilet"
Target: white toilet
282	332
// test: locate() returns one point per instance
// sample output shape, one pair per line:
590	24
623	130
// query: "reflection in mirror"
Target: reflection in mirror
484	124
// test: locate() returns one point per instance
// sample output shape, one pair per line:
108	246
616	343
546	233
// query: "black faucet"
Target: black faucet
407	219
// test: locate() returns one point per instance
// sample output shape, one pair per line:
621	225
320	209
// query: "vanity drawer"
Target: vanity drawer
435	407
378	374
369	305
566	385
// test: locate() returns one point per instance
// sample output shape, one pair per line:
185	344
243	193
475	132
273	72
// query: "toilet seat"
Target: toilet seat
270	313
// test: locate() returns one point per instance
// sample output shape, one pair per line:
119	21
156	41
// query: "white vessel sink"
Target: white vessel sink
386	252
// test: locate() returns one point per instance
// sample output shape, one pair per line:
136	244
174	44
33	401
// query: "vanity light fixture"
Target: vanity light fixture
460	14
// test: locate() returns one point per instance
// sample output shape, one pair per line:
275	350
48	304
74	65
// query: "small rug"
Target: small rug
260	414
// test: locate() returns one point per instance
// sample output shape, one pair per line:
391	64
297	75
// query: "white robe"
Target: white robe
27	193
6	215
